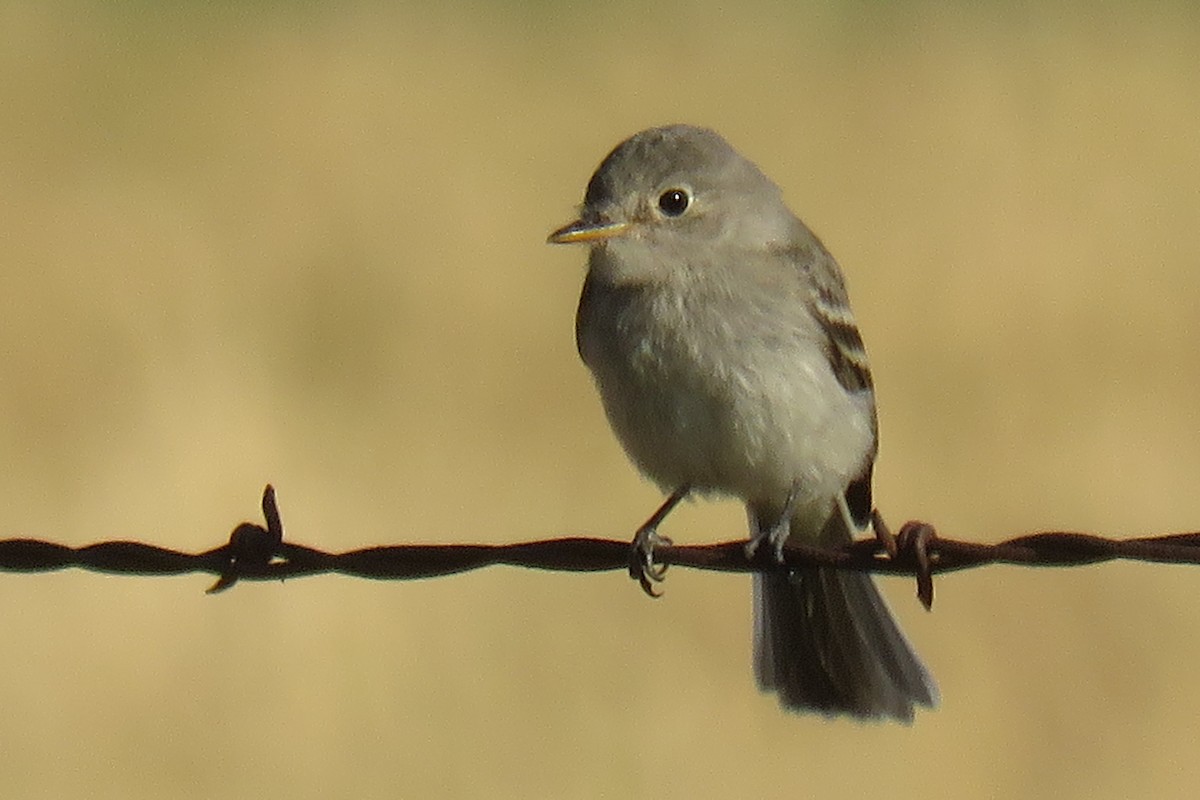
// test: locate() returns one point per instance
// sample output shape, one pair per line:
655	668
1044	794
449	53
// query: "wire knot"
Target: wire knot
251	547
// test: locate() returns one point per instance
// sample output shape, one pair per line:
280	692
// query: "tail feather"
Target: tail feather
826	642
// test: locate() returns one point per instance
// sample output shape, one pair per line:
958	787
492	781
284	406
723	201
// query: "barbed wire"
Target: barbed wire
259	553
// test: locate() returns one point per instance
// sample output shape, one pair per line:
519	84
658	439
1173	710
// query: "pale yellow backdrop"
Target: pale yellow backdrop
303	243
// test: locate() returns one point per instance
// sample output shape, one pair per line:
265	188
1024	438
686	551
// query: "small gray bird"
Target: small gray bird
718	331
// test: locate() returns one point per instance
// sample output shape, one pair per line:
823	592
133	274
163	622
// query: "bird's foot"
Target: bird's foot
641	551
642	567
776	536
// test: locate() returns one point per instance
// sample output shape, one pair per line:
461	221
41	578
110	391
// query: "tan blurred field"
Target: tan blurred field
303	243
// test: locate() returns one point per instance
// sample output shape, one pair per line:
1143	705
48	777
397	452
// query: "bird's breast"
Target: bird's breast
731	392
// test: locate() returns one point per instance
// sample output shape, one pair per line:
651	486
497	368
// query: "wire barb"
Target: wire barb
257	552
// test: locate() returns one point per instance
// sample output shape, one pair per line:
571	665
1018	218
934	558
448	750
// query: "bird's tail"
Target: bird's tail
825	642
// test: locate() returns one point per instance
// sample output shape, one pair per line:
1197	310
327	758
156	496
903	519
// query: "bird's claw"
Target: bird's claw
642	567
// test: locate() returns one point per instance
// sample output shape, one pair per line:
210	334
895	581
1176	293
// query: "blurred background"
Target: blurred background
303	243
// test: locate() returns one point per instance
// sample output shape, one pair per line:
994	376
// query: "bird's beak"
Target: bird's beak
587	230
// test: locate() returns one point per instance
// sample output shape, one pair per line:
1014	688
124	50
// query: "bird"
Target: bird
719	334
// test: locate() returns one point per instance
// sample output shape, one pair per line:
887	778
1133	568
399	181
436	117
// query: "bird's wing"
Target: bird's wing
830	307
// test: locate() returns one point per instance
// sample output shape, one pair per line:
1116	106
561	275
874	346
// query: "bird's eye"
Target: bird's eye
674	202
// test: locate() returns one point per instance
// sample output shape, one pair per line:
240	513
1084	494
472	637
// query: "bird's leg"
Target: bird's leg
641	551
777	534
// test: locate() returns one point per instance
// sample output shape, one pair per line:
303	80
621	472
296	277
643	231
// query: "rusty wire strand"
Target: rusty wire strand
255	552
